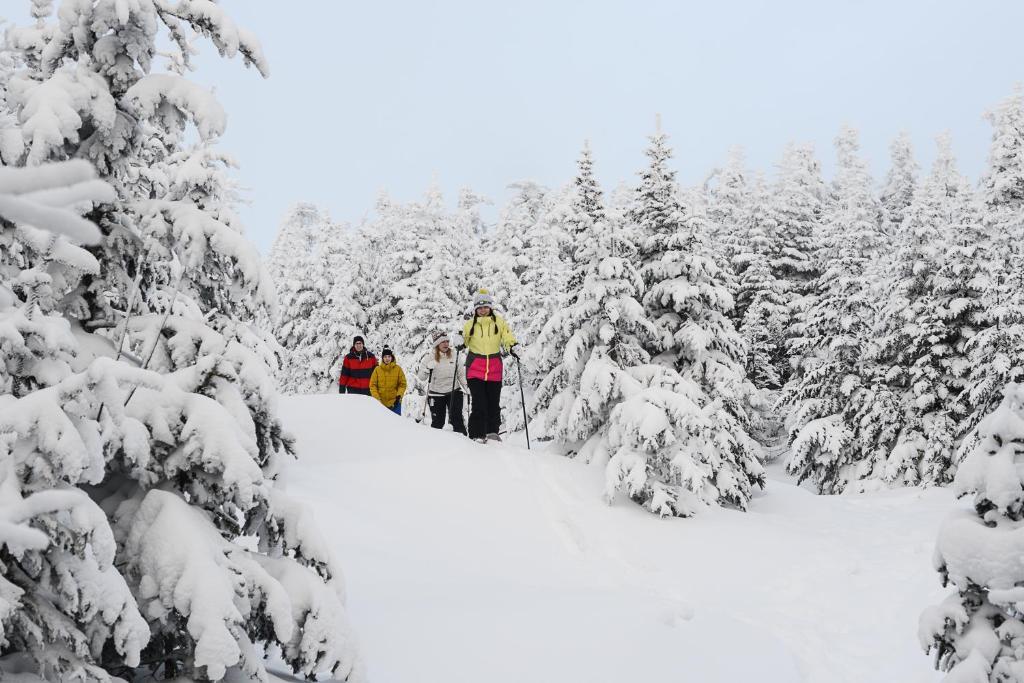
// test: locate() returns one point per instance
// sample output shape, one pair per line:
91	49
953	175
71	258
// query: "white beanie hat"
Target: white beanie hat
440	338
483	298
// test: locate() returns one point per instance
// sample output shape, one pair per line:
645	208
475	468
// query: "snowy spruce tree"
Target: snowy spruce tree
727	209
976	634
318	312
383	240
930	312
687	297
600	331
401	233
294	248
503	260
150	406
437	295
535	243
840	411
679	438
343	315
760	302
302	291
544	274
996	351
62	599
795	212
900	184
549	262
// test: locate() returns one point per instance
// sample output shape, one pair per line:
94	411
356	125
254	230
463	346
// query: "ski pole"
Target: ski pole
455	376
426	395
522	398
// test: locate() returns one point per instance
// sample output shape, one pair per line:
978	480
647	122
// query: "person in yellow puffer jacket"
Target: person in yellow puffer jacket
387	383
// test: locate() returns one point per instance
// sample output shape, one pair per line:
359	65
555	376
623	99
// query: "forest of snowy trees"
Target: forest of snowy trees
684	336
680	338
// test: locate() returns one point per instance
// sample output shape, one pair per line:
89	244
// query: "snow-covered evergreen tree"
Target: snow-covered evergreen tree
399	236
760	303
680	436
977	633
930	312
382	239
599	332
996	352
293	250
302	291
727	209
464	246
151	402
795	211
548	263
318	309
840	410
687	297
544	273
62	600
900	183
437	294
344	316
504	259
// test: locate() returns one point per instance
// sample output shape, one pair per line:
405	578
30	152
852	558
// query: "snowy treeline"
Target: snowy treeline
141	530
672	331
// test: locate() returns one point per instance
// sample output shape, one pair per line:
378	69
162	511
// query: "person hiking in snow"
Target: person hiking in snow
485	336
356	369
438	368
387	383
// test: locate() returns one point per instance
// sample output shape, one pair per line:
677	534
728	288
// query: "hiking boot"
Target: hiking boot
493	437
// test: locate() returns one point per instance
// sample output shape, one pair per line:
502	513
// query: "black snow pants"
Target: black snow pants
485	416
439	411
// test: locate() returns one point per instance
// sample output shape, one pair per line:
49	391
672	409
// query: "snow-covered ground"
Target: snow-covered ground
470	563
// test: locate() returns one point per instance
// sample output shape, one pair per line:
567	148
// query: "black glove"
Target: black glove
460	347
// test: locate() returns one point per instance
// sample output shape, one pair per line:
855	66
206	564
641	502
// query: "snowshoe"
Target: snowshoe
480	440
493	437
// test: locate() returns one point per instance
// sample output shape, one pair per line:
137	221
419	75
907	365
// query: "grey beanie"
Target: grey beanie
483	298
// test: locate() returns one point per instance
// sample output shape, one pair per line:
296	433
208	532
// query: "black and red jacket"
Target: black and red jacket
356	370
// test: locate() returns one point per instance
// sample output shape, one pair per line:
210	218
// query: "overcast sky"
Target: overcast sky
366	96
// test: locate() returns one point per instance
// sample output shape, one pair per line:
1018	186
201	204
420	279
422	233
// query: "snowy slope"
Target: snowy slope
469	563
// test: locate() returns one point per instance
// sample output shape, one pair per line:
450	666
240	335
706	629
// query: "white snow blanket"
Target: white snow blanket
468	563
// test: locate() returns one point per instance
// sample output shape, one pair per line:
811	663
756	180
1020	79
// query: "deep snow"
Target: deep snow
470	563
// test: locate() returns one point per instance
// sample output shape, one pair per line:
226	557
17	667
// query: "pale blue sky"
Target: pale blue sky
372	95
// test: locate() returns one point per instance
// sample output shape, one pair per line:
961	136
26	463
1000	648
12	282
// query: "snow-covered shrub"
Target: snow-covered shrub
977	633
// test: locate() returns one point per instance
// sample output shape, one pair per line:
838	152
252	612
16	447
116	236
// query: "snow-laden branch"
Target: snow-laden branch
49	197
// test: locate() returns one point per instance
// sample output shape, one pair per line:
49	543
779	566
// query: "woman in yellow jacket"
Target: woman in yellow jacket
387	383
484	337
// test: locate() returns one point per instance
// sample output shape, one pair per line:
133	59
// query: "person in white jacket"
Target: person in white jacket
438	369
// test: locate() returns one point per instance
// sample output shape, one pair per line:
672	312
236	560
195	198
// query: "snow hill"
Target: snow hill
470	563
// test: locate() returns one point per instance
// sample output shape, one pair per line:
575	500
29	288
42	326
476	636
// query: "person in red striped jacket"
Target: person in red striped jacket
356	369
